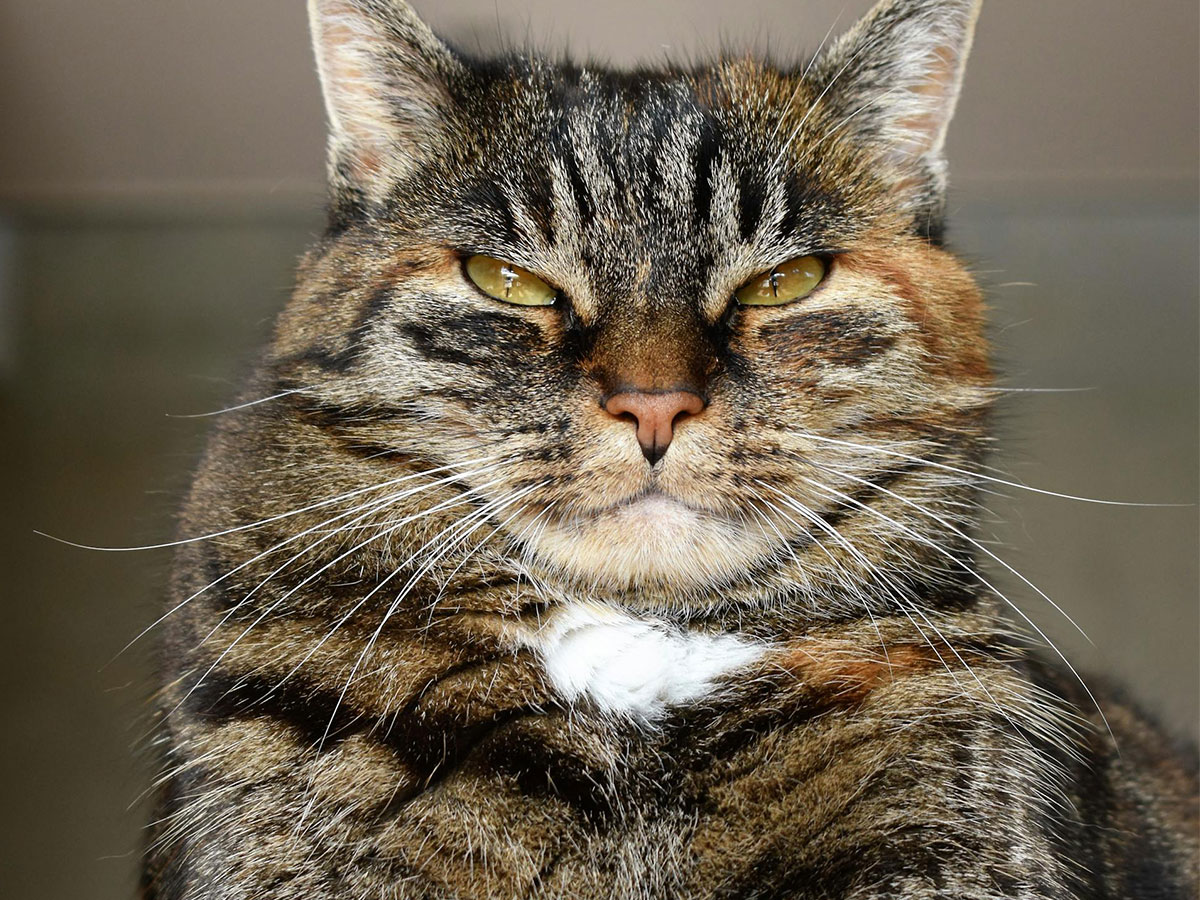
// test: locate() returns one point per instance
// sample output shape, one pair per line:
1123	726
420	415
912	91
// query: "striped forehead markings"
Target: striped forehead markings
613	170
667	163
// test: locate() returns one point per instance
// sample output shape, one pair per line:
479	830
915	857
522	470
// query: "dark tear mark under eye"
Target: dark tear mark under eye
751	198
474	338
843	339
431	344
340	360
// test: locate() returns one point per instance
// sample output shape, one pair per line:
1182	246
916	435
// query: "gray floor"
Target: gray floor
113	324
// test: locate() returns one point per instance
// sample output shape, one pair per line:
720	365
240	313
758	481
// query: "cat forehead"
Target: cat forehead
653	177
631	122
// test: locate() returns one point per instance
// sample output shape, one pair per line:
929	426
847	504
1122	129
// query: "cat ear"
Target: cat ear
384	76
893	81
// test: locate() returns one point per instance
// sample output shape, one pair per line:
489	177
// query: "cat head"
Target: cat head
696	312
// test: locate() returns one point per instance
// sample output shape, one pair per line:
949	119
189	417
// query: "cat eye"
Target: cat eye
509	283
795	279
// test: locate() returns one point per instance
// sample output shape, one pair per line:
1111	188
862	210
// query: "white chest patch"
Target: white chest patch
632	666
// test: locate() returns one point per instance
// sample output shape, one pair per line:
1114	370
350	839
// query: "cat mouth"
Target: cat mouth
646	506
651	537
648	495
652	501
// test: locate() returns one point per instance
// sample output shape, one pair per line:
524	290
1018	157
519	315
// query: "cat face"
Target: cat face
652	429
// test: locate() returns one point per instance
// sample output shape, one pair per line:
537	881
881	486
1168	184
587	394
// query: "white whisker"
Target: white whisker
407	589
276	518
905	604
959	533
291	592
984	581
371	507
217	412
994	480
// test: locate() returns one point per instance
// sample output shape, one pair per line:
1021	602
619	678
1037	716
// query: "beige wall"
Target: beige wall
153	98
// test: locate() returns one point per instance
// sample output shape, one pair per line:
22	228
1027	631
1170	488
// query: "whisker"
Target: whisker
276	518
470	553
217	412
457	523
959	533
496	506
908	608
943	551
970	474
272	607
821	96
862	108
803	75
843	574
371	507
481	513
1029	390
784	541
811	516
974	675
839	568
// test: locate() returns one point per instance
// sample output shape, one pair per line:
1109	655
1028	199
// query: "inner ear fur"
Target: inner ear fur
891	84
384	76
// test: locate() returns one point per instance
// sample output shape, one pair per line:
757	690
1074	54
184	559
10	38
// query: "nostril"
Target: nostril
689	405
654	416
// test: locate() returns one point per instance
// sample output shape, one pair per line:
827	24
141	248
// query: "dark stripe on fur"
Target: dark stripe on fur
751	196
707	157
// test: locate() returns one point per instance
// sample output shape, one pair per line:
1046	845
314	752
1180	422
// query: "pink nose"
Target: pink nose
655	416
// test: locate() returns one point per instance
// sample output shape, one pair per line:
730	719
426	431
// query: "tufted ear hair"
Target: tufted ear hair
384	75
892	83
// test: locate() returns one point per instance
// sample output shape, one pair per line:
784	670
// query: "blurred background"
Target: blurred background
161	170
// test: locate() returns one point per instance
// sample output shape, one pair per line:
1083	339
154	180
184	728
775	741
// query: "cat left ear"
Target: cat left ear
384	75
893	81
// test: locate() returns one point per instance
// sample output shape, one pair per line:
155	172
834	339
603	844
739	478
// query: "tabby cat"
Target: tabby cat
599	520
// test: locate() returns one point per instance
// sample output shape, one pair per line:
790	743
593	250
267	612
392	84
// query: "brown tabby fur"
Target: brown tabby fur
350	710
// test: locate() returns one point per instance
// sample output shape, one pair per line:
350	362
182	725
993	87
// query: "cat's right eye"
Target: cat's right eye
794	280
508	282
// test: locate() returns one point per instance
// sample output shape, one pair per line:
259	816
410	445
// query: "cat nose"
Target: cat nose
654	415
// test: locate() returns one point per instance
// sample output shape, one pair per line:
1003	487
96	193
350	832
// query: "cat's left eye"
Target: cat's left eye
794	280
509	283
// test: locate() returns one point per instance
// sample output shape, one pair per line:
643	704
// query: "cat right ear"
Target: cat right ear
384	75
892	83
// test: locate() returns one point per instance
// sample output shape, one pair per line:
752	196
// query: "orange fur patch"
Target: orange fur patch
939	298
848	673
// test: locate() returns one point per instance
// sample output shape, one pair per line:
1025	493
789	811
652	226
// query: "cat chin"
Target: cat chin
652	540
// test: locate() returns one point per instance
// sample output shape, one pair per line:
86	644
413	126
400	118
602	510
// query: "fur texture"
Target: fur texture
632	667
450	634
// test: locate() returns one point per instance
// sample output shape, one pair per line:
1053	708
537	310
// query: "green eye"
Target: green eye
793	280
509	283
